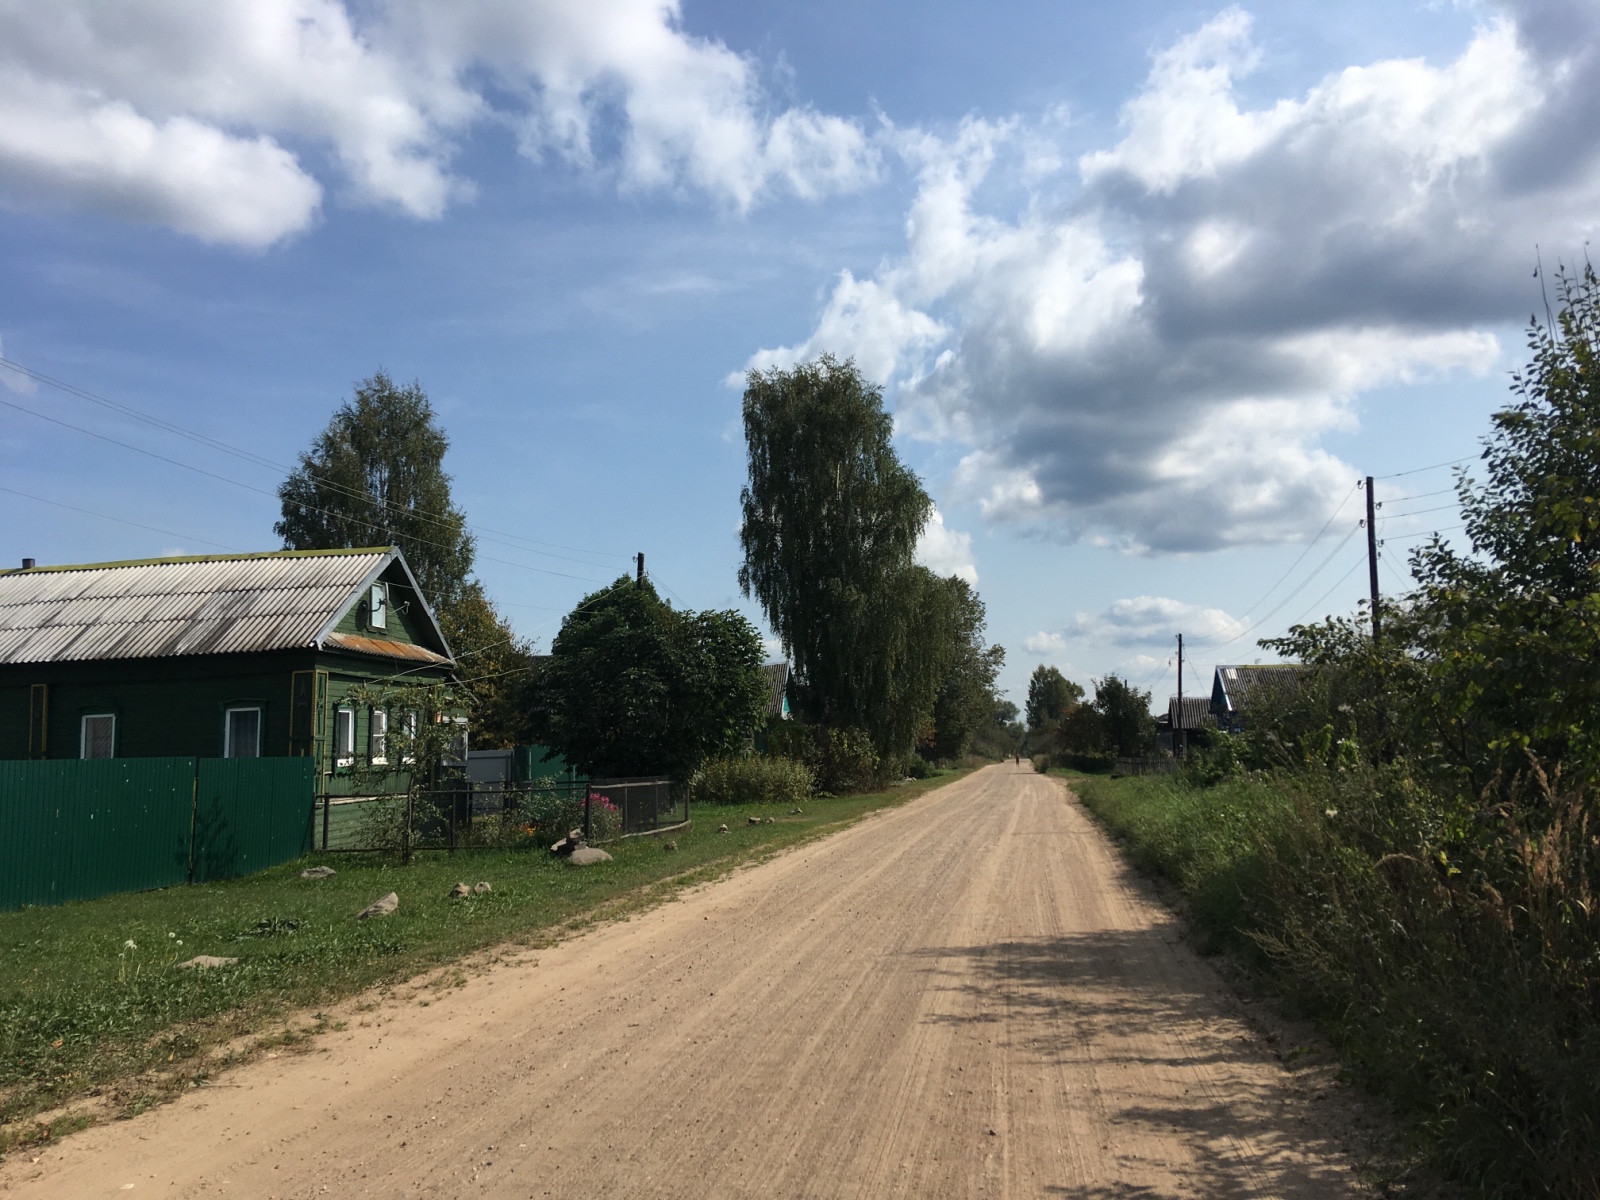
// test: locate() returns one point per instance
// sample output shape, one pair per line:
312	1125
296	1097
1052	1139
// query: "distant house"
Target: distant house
223	656
1235	689
1191	718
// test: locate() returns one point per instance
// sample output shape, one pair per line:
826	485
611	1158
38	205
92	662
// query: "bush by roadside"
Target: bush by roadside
752	779
1463	984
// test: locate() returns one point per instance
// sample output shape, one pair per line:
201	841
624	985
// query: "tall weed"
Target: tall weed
1452	950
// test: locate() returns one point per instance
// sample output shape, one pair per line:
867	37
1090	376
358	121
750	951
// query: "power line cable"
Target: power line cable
121	520
1239	620
1420	511
1318	601
1300	587
239	483
1435	467
261	460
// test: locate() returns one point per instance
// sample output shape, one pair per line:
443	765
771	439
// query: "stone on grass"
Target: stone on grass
206	962
318	873
669	846
770	820
755	820
461	889
587	856
722	829
478	889
380	907
797	812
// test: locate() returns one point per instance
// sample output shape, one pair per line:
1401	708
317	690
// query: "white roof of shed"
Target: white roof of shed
156	608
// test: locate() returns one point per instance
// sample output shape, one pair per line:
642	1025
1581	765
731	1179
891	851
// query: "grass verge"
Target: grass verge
1453	970
92	1004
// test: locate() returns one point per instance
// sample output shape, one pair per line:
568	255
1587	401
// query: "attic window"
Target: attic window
378	607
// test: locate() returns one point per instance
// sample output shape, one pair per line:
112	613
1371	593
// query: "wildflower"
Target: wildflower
128	945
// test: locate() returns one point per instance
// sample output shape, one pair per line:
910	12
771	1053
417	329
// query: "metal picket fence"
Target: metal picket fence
476	814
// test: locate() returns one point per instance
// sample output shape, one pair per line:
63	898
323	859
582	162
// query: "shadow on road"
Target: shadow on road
1136	1024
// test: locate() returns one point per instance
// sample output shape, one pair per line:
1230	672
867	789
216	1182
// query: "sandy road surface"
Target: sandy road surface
967	996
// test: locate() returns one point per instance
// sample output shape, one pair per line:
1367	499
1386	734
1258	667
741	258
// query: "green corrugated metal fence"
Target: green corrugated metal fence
75	829
251	813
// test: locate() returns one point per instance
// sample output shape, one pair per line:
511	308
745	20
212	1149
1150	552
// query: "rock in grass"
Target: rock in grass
318	873
755	820
669	847
587	856
797	812
206	962
461	889
380	907
481	888
722	829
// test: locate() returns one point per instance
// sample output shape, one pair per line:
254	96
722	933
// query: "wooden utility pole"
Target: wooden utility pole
1372	555
1180	741
638	579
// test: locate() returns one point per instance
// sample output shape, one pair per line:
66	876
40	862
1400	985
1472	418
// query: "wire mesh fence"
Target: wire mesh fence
467	814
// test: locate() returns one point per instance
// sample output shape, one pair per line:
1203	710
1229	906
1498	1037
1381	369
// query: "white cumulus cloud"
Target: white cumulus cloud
945	551
1045	643
227	119
1151	620
1149	350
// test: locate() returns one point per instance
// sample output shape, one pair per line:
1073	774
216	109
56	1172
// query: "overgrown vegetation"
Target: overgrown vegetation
752	779
1062	725
1410	844
91	1002
634	686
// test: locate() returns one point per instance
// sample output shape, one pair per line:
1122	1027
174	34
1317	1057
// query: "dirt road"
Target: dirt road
967	996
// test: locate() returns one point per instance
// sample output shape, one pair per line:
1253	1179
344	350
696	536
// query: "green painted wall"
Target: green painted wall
406	620
175	706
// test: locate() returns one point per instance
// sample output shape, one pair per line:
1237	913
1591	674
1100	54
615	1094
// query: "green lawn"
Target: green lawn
84	1012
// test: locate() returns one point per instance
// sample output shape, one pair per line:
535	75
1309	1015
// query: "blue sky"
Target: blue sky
1148	285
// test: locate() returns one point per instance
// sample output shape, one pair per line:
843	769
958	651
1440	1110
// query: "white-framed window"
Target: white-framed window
241	732
378	735
411	737
344	736
458	741
98	736
378	606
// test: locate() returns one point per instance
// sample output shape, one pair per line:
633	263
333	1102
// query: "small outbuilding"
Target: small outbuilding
221	656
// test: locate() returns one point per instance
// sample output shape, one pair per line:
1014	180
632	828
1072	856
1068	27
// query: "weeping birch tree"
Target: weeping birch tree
831	519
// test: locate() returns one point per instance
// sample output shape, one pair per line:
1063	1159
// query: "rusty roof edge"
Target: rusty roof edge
349	551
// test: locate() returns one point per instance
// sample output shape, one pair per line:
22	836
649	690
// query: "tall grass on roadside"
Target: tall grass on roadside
1451	950
752	779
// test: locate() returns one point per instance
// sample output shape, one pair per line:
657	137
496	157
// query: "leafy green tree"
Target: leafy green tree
496	667
1491	660
965	701
375	477
1130	729
1051	696
634	687
831	519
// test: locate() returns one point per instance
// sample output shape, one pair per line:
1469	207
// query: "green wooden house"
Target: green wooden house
221	656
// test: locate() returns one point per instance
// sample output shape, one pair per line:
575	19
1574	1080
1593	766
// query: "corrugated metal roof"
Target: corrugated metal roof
1194	714
1235	687
156	608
